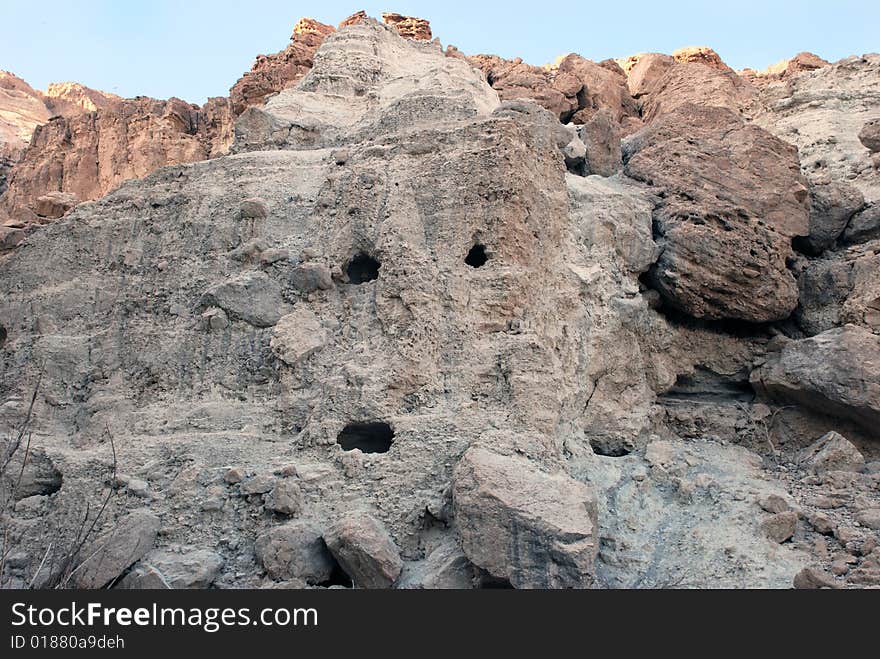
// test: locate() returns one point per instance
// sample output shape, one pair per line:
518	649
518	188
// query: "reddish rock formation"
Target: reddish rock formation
409	27
700	55
272	73
574	89
644	70
732	199
354	19
687	83
91	153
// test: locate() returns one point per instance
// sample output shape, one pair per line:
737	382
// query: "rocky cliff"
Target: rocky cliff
439	321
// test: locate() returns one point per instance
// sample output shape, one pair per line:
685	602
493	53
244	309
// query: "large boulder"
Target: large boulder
295	552
869	135
831	207
732	199
833	452
118	549
522	525
365	551
179	570
836	372
252	297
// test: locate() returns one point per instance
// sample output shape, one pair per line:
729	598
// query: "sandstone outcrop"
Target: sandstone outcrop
732	200
409	27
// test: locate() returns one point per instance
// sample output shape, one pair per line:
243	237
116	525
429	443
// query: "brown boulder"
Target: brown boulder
870	135
53	205
365	551
732	199
646	70
691	83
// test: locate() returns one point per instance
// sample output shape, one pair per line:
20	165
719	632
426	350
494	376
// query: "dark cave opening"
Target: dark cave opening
3	335
338	578
476	257
370	437
362	268
610	449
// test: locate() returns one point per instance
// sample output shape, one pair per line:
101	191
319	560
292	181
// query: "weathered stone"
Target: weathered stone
774	503
864	225
186	569
252	297
310	276
107	557
285	498
254	209
409	26
40	476
522	525
444	568
870	518
823	287
831	207
297	336
780	526
272	73
869	135
54	204
601	138
646	69
833	452
295	550
835	371
259	484
366	552
720	258
811	578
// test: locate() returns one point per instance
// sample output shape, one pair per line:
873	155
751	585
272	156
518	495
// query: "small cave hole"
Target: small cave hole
3	335
610	449
362	268
372	437
338	578
477	257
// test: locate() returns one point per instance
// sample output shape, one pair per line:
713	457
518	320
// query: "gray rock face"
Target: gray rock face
295	551
831	207
365	551
393	249
601	138
522	525
864	225
835	372
116	550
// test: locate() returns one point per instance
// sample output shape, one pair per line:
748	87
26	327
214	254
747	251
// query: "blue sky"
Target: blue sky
198	48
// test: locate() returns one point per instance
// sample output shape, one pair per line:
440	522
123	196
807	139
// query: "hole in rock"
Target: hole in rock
3	336
338	577
609	448
706	385
477	256
488	582
373	437
362	268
